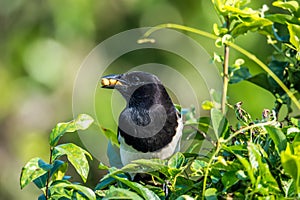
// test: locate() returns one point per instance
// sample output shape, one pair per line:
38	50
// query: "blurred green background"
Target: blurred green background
43	44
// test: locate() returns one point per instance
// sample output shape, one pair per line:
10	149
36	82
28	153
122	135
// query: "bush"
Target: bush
254	159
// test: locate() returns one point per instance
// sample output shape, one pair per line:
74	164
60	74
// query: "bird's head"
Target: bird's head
130	82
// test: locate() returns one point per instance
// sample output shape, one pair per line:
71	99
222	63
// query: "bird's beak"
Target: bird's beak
110	81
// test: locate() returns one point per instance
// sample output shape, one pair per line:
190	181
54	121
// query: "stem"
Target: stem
225	78
234	46
48	177
208	168
248	128
225	72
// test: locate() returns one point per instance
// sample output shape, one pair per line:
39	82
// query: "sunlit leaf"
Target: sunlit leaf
176	161
250	24
77	157
278	137
31	171
66	189
288	5
120	193
291	164
82	122
294	31
248	168
111	135
140	189
211	194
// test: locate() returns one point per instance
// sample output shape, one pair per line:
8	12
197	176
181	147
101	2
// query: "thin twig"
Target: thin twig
234	46
48	177
225	72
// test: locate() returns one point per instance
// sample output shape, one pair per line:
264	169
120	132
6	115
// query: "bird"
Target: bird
149	127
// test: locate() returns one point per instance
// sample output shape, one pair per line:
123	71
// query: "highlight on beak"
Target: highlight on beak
110	81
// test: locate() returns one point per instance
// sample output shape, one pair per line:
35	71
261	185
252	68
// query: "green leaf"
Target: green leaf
278	138
185	197
282	18
289	5
120	193
211	194
248	168
140	189
229	179
207	105
144	166
77	157
219	122
291	165
31	171
82	122
198	165
256	160
58	165
250	24
66	189
111	135
176	161
238	74
294	31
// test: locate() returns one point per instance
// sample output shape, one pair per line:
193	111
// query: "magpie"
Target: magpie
149	126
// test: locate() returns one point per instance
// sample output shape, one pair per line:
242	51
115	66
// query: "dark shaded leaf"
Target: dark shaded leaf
238	75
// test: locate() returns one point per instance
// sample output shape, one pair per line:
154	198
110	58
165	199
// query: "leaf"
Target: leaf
238	75
250	24
31	171
144	166
111	135
82	122
77	157
294	31
211	194
282	18
140	189
291	165
185	197
278	138
176	161
207	105
40	182
229	179
248	168
262	167
289	5
60	188
120	193
219	122
198	165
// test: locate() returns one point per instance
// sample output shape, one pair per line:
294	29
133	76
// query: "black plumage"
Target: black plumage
149	121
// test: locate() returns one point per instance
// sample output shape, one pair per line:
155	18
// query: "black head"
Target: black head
130	82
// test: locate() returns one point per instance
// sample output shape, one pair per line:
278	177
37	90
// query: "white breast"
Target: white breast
129	154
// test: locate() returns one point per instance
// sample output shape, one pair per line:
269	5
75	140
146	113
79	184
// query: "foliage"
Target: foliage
254	159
